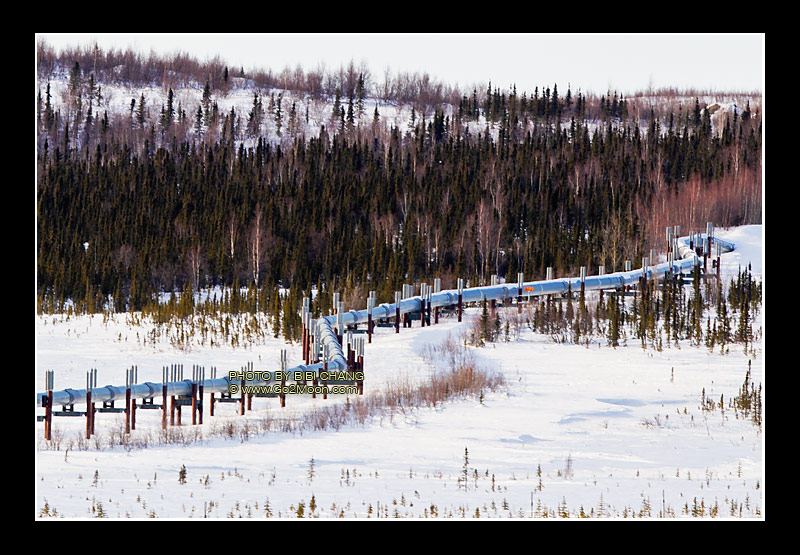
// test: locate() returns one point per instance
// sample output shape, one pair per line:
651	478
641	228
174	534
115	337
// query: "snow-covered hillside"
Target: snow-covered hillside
575	431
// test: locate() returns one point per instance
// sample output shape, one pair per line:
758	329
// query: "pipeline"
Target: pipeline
683	258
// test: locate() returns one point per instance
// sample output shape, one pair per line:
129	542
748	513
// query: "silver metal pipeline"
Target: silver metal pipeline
336	360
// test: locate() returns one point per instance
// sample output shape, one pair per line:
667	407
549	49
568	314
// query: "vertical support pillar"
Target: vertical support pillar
460	298
336	328
360	365
194	394
406	319
211	399
283	377
520	280
339	322
325	355
437	288
88	405
314	360
397	311
350	352
492	302
627	269
549	277
306	323
583	281
428	303
91	383
668	239
423	293
370	306
200	387
172	374
163	397
134	380
645	267
177	404
48	407
243	400
128	377
249	395
304	337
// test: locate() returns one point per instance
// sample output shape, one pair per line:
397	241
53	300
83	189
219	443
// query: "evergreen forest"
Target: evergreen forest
174	198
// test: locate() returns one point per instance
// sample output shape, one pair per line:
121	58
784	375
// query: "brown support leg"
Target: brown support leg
164	407
360	368
88	414
128	410
397	321
436	315
133	414
211	404
324	382
172	410
242	411
194	404
48	416
200	405
305	344
460	306
369	328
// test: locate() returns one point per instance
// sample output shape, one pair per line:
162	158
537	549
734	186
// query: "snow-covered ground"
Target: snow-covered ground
594	430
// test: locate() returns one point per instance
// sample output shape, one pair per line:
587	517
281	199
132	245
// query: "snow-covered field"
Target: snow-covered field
576	430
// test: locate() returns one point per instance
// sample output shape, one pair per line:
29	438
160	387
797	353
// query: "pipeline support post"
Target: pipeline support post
583	282
163	397
397	312
211	399
283	376
194	395
360	365
128	377
91	383
423	293
437	287
460	298
325	356
48	405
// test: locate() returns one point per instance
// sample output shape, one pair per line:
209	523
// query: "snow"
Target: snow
616	432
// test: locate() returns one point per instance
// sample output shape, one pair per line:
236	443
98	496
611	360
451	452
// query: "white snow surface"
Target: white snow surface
616	432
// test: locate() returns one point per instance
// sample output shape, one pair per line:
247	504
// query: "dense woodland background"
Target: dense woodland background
176	198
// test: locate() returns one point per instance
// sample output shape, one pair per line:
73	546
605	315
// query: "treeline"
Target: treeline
181	70
130	206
